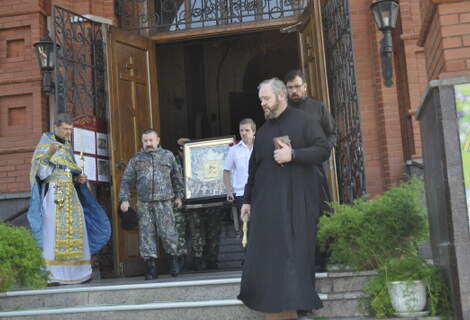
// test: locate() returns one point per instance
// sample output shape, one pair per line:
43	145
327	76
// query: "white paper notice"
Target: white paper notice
102	144
90	166
84	141
103	170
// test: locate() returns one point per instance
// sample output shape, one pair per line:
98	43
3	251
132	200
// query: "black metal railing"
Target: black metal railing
80	65
344	99
177	15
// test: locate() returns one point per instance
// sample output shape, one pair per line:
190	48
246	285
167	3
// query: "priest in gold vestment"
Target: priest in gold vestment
66	220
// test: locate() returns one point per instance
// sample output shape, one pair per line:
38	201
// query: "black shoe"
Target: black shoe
197	263
151	269
174	266
212	265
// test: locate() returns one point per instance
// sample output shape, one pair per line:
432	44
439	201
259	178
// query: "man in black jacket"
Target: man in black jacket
297	97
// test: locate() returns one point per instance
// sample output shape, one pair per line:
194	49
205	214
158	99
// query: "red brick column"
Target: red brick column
23	107
417	78
445	36
22	114
379	105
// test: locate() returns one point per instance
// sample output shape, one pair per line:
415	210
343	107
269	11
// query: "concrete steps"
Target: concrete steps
189	296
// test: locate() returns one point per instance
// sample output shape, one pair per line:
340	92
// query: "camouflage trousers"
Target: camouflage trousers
156	217
209	226
184	219
205	227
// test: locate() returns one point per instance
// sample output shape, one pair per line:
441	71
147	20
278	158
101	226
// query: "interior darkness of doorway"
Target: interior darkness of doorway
207	86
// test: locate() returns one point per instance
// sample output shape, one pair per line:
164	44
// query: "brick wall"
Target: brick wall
379	105
23	108
101	8
22	116
411	16
445	36
441	48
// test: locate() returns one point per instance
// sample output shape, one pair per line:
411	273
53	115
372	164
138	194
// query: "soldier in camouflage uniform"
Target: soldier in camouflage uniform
188	217
158	181
204	225
210	225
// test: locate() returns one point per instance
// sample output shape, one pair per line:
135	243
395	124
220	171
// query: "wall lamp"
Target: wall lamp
385	15
46	57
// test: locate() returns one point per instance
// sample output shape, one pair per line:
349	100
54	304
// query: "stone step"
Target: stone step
335	305
231	256
219	309
186	288
230	264
235	242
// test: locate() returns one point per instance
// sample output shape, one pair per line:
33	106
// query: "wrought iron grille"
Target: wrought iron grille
80	65
175	15
344	99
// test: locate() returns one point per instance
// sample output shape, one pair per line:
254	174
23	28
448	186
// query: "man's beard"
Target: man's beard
149	148
272	114
297	99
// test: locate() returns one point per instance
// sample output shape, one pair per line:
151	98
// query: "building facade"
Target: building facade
194	72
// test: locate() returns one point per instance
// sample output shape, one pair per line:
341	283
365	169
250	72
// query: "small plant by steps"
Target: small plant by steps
376	300
21	261
364	235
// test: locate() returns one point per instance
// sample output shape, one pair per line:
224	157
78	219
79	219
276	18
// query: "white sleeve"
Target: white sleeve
229	160
44	171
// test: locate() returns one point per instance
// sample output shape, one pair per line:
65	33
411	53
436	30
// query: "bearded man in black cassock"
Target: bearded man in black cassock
281	201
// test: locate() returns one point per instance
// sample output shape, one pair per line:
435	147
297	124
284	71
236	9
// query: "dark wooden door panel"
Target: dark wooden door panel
313	61
133	108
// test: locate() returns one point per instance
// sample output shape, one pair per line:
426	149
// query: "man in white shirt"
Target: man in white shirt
236	163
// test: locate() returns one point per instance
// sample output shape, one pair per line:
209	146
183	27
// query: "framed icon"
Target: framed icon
204	168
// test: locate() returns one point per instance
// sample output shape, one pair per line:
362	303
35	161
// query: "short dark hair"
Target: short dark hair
294	73
150	130
62	118
250	122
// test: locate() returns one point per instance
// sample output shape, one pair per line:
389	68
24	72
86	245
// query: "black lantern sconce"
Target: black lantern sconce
46	57
385	15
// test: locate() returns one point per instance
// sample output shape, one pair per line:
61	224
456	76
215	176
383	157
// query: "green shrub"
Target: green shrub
376	300
367	233
21	259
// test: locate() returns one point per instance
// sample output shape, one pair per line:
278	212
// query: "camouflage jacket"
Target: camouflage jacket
156	175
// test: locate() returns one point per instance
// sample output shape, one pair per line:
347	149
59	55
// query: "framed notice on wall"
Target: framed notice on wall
90	145
102	144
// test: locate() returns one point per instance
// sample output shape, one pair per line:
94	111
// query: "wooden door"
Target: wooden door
133	108
312	56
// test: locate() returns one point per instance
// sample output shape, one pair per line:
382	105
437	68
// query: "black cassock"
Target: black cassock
279	269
